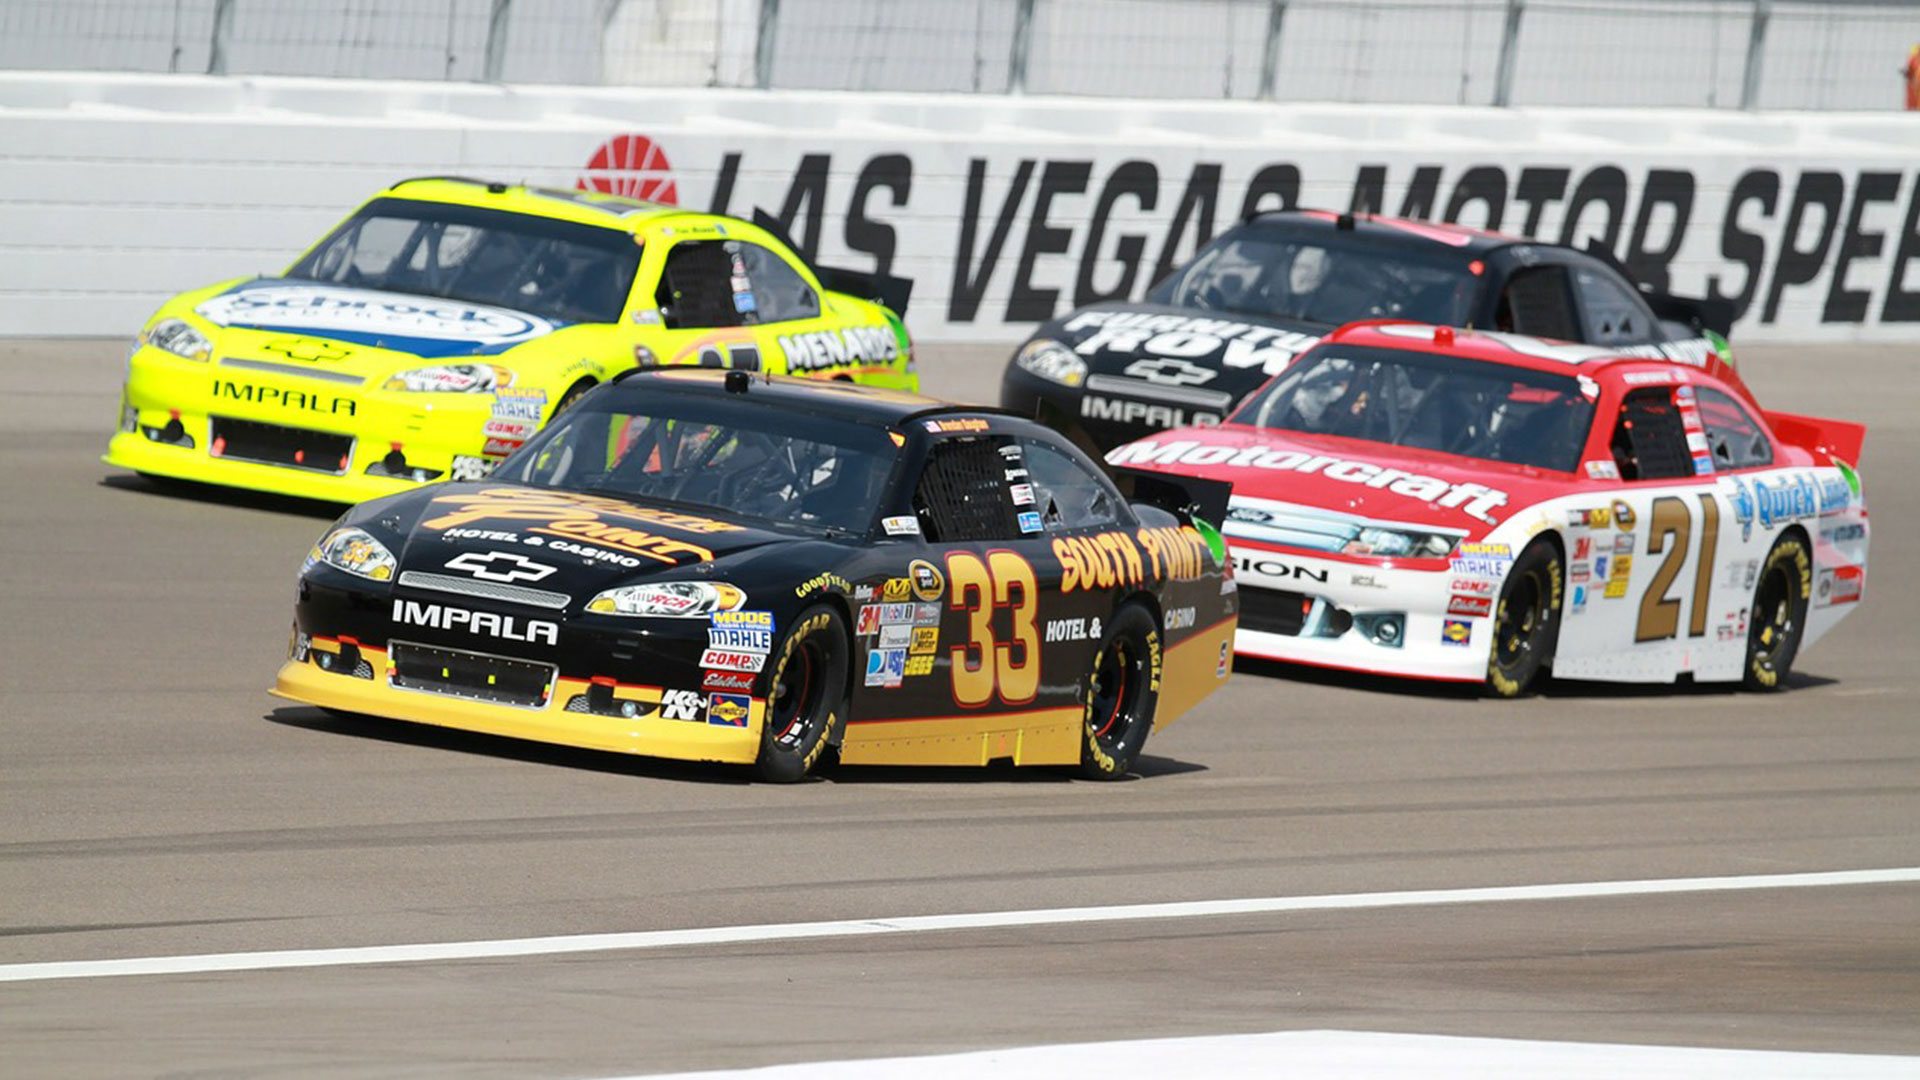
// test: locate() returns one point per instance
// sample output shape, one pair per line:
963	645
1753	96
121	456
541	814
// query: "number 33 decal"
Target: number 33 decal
1660	613
984	664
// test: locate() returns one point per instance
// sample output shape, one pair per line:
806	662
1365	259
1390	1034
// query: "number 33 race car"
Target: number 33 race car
1420	501
436	329
722	567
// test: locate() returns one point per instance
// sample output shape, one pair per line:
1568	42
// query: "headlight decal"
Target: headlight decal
669	600
451	379
178	337
1052	361
356	552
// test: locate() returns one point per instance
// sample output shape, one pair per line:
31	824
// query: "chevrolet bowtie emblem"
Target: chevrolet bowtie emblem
306	349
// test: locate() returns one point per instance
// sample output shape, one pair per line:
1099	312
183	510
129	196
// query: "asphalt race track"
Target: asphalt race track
158	803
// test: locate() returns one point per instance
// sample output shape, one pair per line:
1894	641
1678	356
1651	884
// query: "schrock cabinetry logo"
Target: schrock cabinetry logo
1841	246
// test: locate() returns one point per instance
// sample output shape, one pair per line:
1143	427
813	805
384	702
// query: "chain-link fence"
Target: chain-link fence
1773	54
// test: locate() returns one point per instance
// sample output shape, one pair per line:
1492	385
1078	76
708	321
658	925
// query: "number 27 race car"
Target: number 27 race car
717	566
1421	501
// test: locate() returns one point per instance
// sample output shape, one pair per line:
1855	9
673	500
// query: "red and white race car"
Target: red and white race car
1447	504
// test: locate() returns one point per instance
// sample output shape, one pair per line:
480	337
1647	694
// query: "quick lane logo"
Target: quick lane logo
484	623
282	399
1472	499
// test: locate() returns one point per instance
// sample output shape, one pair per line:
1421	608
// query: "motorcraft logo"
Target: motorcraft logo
502	566
483	623
1475	500
327	307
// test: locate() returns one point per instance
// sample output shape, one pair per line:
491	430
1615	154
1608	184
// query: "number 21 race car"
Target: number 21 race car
717	566
435	330
1419	501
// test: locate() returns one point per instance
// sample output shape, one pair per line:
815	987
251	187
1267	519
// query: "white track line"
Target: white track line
1343	1055
912	924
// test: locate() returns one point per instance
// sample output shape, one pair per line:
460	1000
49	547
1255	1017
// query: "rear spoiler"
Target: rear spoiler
884	289
1699	313
1836	438
1186	497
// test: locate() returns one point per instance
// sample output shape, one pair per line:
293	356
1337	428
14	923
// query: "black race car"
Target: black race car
718	566
1258	295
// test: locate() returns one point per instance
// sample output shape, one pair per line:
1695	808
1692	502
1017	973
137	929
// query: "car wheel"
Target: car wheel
1123	690
806	696
1526	621
1779	614
574	393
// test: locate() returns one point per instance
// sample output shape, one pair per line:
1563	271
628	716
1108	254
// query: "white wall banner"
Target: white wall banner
116	191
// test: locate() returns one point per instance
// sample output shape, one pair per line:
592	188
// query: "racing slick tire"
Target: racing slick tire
574	393
806	695
1123	691
1779	614
1526	621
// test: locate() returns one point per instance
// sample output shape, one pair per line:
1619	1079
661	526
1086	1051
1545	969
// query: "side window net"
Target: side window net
695	290
1536	303
1649	442
963	492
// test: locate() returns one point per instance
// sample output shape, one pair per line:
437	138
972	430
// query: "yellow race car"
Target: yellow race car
438	327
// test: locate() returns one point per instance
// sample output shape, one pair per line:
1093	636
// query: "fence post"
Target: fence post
497	40
1022	41
1509	52
1756	51
1270	57
222	30
764	42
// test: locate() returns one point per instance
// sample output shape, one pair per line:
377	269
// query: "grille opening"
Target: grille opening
475	676
273	444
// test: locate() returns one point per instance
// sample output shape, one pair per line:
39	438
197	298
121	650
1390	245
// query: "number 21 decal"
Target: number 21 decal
1660	613
984	664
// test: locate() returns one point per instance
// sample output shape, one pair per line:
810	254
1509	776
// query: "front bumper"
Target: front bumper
1305	609
376	695
627	689
318	438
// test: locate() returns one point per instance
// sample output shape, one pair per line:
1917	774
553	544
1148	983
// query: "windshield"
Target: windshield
1465	407
554	269
1263	271
741	461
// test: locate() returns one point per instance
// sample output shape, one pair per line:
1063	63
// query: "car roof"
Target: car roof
833	398
563	204
1404	232
1514	350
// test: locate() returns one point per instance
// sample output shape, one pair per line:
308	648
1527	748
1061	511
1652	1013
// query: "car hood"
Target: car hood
491	534
1147	346
1348	477
425	326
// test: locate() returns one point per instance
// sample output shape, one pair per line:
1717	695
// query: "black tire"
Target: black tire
1526	621
574	393
1778	617
1123	691
806	695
